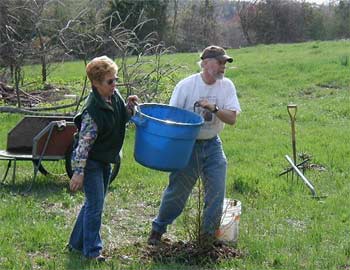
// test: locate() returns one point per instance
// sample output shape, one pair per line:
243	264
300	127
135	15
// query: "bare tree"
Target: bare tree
141	67
15	40
141	75
26	37
247	13
174	23
45	29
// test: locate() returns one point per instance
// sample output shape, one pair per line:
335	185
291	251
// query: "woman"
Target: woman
101	126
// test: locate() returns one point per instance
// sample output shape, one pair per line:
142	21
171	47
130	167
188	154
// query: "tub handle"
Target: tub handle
137	108
139	121
138	118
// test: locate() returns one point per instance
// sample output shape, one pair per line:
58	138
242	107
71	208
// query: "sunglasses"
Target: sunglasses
221	62
111	81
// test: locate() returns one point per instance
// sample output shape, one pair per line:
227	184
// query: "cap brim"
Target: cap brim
219	57
225	57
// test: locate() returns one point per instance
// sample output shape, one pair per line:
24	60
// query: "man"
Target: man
214	97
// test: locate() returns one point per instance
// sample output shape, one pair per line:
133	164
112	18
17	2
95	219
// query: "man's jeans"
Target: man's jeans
208	161
85	236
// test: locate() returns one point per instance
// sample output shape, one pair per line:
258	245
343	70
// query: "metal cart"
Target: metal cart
38	138
42	138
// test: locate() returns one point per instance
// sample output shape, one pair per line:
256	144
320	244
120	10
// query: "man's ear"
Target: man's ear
204	62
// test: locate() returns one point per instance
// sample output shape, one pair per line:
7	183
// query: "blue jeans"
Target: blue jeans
85	236
207	161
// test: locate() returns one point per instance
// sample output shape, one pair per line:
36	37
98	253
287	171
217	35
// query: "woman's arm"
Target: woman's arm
87	137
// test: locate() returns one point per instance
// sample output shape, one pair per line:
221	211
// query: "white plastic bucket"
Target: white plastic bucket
228	230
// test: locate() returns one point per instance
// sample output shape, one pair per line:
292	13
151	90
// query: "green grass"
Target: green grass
281	226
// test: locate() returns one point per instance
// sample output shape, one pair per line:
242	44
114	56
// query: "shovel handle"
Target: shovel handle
292	111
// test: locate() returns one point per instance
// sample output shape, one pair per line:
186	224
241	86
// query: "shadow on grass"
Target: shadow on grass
75	260
244	187
44	186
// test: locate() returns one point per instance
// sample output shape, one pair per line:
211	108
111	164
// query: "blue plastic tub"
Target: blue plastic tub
165	136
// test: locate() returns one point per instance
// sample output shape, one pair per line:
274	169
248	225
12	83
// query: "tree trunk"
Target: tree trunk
43	68
12	72
174	26
42	57
18	72
206	22
246	33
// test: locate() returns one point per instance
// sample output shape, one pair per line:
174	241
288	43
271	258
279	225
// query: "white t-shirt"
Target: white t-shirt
193	88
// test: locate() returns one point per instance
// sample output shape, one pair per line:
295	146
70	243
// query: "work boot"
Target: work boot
208	240
98	259
155	238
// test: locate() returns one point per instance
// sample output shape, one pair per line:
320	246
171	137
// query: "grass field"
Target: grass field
281	227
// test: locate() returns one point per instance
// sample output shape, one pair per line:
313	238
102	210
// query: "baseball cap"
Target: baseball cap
215	52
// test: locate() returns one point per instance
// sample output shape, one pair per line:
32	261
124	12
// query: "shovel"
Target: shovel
292	111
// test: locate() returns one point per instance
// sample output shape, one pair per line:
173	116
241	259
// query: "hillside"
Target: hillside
281	226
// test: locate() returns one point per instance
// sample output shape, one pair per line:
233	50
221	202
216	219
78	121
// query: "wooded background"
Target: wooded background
47	31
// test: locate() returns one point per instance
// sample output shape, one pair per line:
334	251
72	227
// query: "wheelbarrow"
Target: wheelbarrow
42	138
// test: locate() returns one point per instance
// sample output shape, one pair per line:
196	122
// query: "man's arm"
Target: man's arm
226	116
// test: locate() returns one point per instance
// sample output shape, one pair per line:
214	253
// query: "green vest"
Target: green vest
110	120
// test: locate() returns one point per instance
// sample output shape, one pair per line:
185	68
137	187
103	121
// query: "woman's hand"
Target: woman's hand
131	102
76	182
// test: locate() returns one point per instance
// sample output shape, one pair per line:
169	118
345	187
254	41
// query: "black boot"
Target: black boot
155	238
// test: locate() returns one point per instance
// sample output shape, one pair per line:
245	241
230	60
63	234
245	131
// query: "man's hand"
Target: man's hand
76	182
226	116
206	105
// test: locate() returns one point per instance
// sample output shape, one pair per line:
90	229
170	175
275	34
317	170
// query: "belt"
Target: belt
205	140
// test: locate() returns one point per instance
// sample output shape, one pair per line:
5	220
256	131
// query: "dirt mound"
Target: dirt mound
190	253
48	94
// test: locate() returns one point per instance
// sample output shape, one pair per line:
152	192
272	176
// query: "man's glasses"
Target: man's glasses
221	62
111	81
